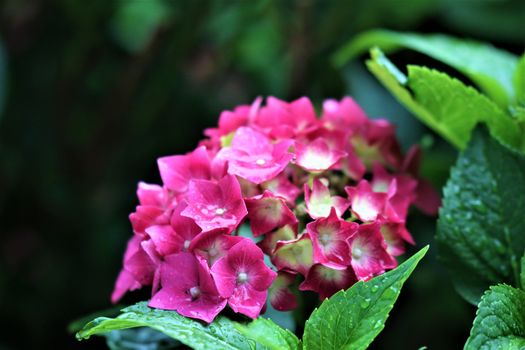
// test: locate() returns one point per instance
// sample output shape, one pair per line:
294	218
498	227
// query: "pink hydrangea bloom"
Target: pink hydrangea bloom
243	278
267	171
254	157
213	245
368	252
215	204
188	288
329	238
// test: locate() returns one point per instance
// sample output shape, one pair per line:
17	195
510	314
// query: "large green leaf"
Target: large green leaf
445	104
267	333
480	228
500	320
221	334
490	68
351	319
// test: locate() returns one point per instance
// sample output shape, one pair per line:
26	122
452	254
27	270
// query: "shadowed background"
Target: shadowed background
91	93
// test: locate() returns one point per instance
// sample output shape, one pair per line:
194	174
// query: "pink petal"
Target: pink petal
280	296
317	156
180	275
125	282
268	212
329	239
177	171
369	255
213	245
327	281
319	201
281	186
165	240
247	301
365	203
215	205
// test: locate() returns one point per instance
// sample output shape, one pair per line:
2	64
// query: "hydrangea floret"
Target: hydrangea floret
325	200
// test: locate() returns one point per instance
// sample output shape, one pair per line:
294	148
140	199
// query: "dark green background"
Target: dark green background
92	92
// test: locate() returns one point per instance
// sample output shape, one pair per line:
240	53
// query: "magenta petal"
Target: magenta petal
428	199
165	240
317	155
254	157
280	296
125	282
369	255
282	187
215	205
177	171
329	239
147	215
151	194
188	288
327	281
365	203
225	277
213	245
346	113
268	212
248	301
319	201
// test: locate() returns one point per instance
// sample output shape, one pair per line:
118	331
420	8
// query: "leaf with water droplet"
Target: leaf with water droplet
499	322
480	227
221	334
351	319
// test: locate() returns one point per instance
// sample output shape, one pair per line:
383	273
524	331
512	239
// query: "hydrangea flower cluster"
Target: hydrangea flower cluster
326	200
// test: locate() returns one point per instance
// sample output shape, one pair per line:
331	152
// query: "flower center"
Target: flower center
260	162
220	211
213	251
324	238
242	277
186	244
357	253
195	292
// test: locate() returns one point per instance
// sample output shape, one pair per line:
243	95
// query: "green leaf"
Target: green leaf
480	226
522	272
488	67
267	333
519	80
500	320
221	334
445	104
351	319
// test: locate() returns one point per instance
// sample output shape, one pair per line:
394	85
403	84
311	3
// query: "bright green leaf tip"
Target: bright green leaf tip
351	319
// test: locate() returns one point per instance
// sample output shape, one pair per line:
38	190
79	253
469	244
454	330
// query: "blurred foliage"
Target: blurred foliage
98	91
